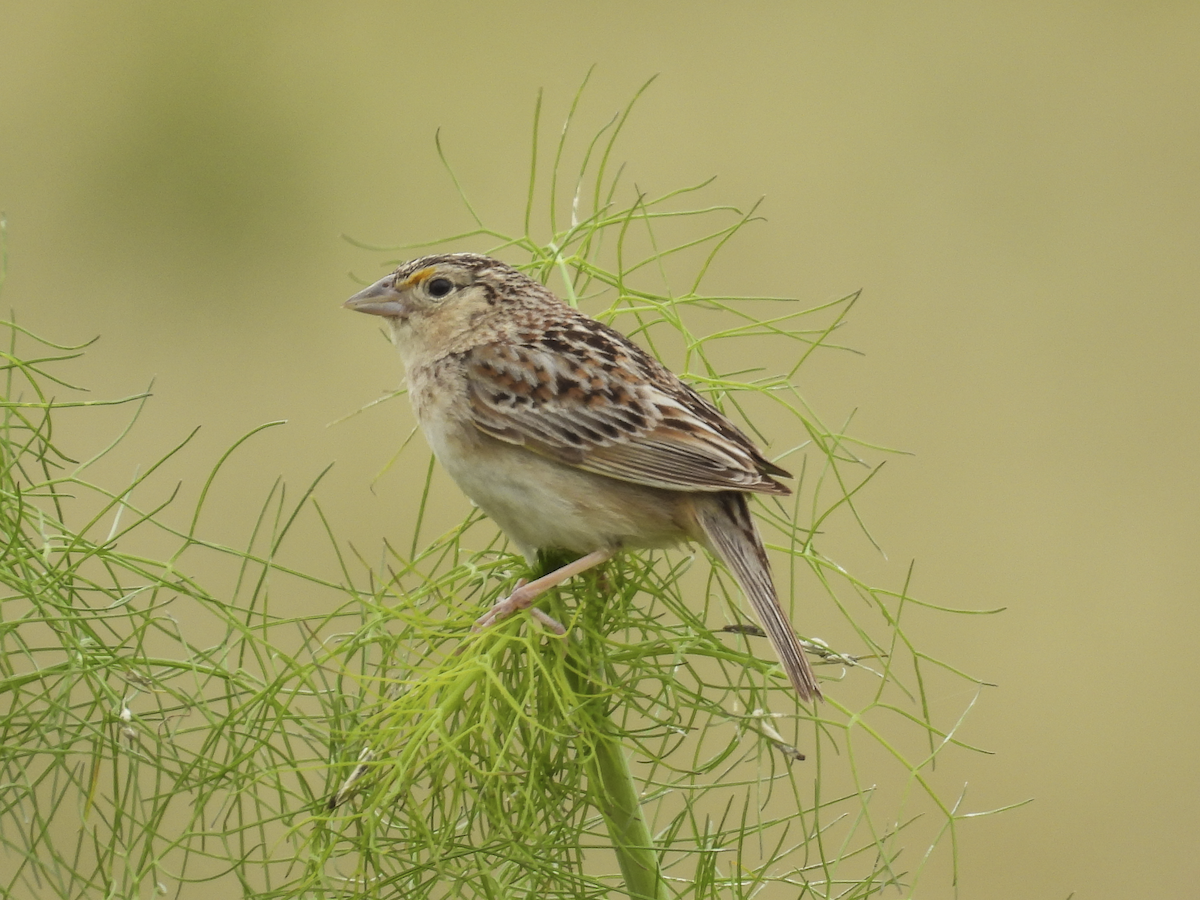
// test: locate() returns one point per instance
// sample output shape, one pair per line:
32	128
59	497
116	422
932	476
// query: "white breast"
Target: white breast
540	504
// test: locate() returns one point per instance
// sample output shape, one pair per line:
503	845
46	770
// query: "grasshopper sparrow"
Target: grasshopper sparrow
571	437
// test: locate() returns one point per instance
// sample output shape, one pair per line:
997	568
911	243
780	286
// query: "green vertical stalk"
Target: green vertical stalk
611	784
616	796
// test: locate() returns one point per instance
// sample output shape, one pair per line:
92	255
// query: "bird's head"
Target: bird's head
434	301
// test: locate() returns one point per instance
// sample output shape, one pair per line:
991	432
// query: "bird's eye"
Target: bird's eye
440	287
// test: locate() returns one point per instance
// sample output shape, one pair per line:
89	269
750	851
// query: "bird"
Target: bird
572	438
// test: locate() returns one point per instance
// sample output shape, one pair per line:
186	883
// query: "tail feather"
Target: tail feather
726	522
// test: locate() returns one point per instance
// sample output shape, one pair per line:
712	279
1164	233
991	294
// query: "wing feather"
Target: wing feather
585	396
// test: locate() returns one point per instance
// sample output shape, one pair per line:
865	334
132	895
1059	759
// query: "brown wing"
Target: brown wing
582	394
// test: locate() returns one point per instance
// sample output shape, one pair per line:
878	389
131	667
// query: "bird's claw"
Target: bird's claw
548	621
519	599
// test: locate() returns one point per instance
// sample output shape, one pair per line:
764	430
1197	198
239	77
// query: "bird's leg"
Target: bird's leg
525	593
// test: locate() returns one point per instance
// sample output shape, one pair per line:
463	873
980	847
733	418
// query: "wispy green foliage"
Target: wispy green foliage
382	749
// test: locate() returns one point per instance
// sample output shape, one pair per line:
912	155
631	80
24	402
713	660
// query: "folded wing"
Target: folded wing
582	394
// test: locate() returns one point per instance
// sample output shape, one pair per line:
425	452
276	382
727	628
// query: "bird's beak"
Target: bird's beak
380	299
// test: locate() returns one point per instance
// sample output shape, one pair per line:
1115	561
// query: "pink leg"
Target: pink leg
524	594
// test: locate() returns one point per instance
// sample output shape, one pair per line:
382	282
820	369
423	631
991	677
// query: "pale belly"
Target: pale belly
542	504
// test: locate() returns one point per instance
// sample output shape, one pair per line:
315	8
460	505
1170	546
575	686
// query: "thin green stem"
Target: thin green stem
612	787
616	796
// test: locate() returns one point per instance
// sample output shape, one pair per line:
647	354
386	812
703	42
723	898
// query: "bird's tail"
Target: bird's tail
725	519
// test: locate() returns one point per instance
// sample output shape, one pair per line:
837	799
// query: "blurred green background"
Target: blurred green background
1015	187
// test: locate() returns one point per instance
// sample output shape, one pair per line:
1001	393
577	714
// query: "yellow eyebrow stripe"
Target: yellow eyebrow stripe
420	275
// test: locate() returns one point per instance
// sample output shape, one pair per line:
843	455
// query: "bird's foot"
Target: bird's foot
526	592
522	597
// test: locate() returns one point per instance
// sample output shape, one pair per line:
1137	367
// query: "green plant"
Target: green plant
379	748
